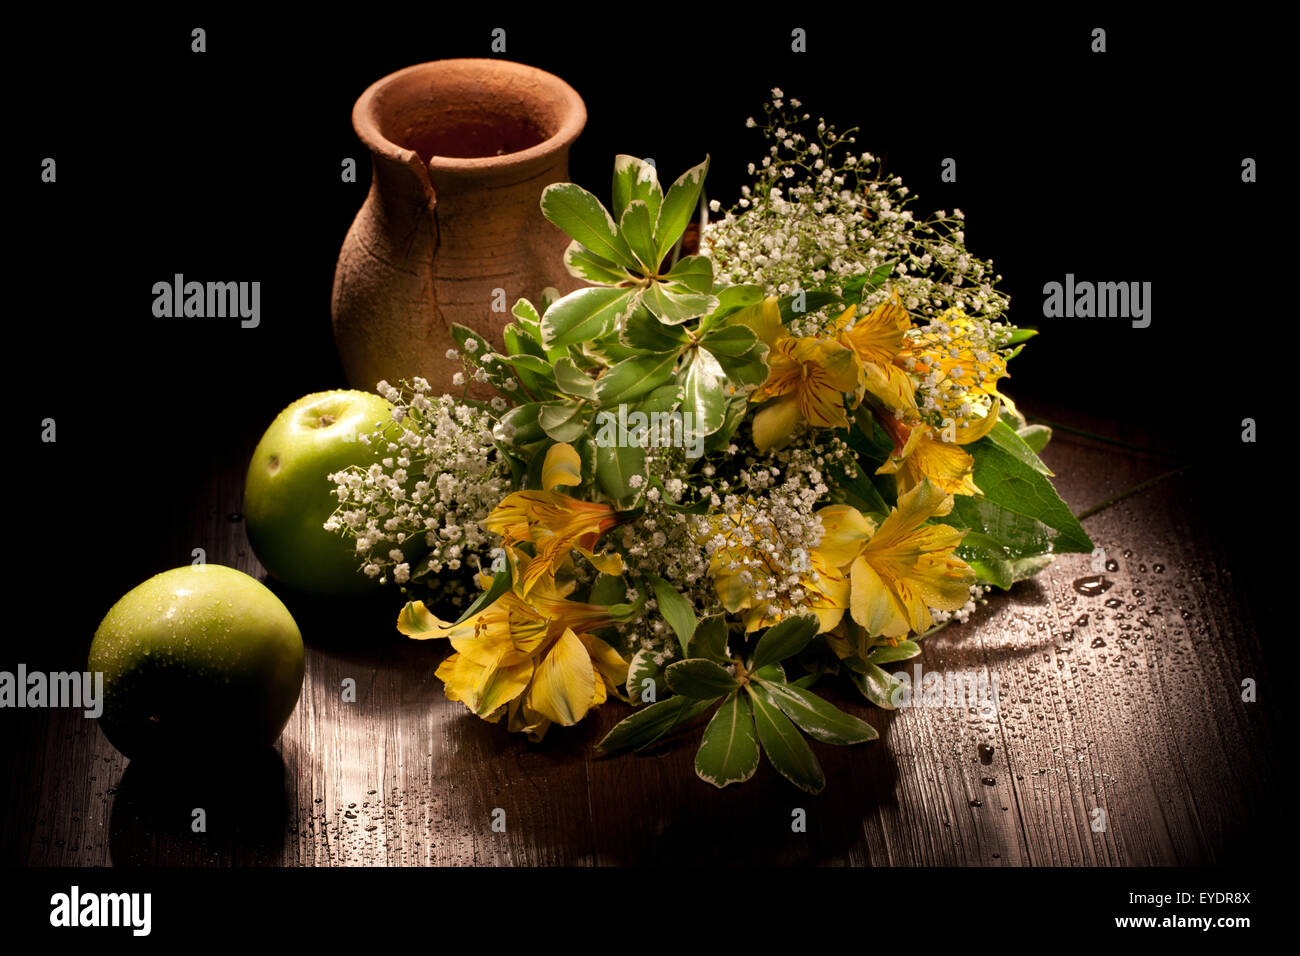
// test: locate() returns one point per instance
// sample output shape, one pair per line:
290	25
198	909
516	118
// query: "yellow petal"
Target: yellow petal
417	621
610	562
924	501
564	683
563	466
609	663
943	581
873	604
483	690
891	385
974	431
774	423
844	531
763	318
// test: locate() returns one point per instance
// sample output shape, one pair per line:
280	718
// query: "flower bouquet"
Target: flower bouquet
710	482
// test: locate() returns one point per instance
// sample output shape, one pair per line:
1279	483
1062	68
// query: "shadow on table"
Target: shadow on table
358	627
229	811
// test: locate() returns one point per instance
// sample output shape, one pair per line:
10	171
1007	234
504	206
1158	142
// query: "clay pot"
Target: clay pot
461	151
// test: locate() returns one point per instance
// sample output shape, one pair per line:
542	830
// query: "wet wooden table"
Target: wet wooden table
1120	737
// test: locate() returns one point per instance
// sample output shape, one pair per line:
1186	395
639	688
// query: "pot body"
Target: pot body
451	230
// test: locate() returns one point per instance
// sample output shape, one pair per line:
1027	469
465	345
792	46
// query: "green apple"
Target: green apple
197	659
288	495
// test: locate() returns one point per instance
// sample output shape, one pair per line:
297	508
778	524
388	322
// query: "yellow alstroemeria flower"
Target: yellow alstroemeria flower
924	454
743	567
954	354
902	569
553	522
825	593
876	340
529	657
806	381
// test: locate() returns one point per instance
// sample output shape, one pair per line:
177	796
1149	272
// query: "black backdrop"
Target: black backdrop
1123	166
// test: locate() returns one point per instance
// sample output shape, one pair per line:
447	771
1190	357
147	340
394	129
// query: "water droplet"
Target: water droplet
234	516
988	781
1092	585
986	753
1112	565
1128	552
1098	642
1158	568
1082	621
977	803
1113	602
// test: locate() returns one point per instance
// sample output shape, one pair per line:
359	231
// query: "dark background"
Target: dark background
1123	166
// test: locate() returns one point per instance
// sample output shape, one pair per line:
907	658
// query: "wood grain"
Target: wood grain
1134	710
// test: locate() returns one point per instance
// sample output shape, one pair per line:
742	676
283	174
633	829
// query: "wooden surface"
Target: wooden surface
1134	709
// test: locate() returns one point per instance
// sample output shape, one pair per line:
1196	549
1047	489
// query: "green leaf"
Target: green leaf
644	331
1010	442
615	465
564	421
709	639
676	610
876	684
676	304
529	318
1003	573
650	723
582	263
638	232
887	654
635	179
573	381
732	341
643	668
581	215
770	672
729	751
857	489
785	639
1018	507
1036	437
632	378
816	717
700	678
785	747
693	274
737	408
857	287
608	589
530	363
811	302
586	314
609	349
732	299
678	207
703	394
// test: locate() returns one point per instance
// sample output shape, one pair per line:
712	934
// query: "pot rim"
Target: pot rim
573	111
